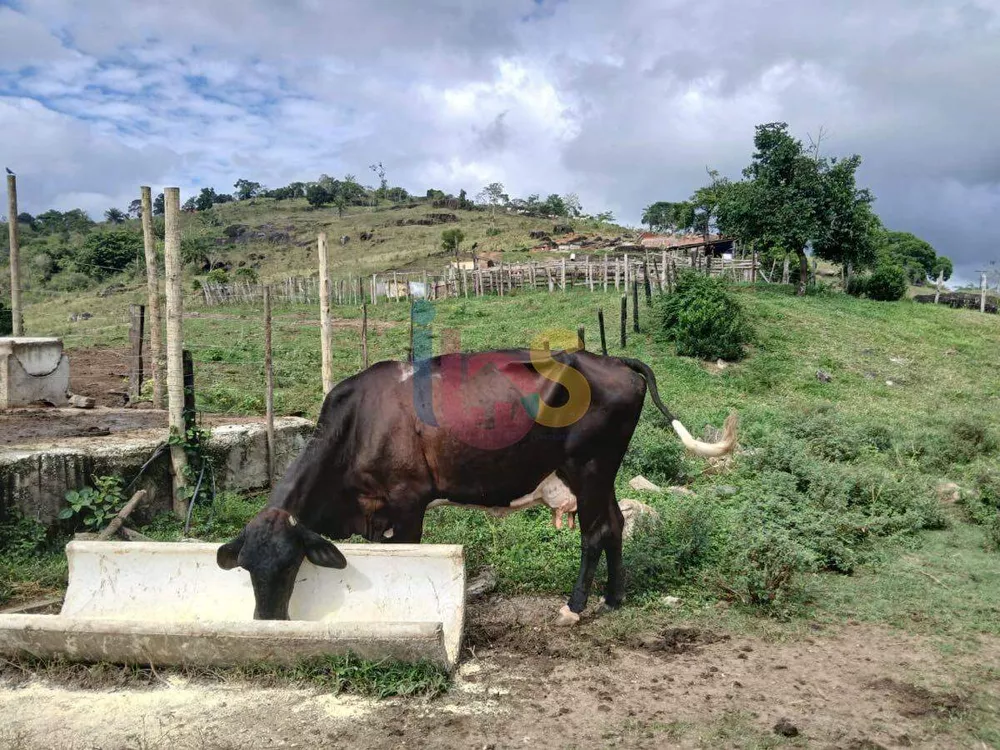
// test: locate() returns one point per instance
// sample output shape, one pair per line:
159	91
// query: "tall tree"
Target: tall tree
917	257
246	189
135	209
158	207
779	203
493	196
114	216
850	226
451	241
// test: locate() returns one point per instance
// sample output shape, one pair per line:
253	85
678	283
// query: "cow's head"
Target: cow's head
271	548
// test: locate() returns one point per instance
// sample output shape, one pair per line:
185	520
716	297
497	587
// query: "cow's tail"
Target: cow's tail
724	446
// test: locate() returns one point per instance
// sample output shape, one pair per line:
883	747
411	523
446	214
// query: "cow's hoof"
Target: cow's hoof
567	617
611	605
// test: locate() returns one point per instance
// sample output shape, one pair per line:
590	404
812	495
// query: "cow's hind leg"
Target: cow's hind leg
600	531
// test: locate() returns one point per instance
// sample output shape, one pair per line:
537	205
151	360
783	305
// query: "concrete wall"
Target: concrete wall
34	479
32	370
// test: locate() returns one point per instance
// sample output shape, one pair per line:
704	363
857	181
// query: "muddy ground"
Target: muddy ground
526	683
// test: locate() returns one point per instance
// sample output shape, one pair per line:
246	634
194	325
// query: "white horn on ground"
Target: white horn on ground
708	450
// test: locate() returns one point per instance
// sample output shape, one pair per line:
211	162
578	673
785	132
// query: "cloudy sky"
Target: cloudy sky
622	102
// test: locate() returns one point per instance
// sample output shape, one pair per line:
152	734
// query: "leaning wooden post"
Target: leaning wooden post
15	257
137	319
635	305
624	320
175	344
364	335
325	324
600	324
940	282
269	385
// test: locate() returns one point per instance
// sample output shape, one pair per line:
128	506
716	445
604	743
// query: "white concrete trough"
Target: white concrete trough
168	603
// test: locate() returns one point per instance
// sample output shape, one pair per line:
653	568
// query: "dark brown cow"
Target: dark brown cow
489	430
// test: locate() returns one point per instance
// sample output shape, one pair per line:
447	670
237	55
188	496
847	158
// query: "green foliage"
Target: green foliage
761	571
247	274
159	205
451	240
665	552
916	256
20	536
106	253
247	189
790	198
114	216
69	281
887	283
655	453
703	318
217	276
195	249
93	506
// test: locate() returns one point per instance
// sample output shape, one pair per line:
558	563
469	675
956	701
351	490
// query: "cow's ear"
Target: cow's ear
229	553
320	551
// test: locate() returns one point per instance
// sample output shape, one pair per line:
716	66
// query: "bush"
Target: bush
69	281
703	318
655	453
106	253
887	283
217	276
661	553
762	570
246	274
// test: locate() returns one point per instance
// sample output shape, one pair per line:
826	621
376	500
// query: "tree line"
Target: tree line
792	201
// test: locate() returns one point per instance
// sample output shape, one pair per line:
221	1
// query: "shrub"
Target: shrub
94	506
993	533
217	276
762	570
703	318
655	453
69	281
887	283
660	553
106	253
246	274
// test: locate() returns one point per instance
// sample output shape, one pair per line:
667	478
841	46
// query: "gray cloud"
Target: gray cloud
623	103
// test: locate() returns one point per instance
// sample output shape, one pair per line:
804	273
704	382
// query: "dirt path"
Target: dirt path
527	684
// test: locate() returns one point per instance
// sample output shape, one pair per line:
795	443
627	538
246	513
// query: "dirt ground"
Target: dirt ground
526	683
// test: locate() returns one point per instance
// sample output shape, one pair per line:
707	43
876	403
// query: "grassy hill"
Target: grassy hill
278	238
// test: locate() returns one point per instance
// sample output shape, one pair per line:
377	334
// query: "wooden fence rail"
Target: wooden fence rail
657	271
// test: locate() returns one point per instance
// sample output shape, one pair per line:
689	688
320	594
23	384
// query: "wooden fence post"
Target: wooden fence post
269	385
617	273
15	257
624	321
982	292
364	335
600	324
137	320
635	305
937	289
325	324
153	297
563	282
175	343
645	281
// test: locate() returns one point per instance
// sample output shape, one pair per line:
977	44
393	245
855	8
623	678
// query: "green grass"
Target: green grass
859	457
347	674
